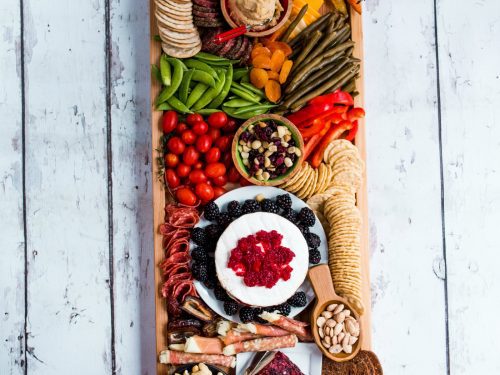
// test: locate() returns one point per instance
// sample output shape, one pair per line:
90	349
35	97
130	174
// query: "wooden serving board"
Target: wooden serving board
160	194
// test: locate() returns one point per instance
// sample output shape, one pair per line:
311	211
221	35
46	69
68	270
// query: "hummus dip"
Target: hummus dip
255	12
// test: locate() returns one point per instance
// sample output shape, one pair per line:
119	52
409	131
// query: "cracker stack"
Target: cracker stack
337	211
179	36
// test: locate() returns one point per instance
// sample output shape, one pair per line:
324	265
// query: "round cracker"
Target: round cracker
180	52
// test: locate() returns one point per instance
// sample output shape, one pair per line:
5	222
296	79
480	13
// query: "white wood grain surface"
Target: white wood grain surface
434	188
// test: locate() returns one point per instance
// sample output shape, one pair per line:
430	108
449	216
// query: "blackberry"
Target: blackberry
212	231
210	283
314	257
211	211
268	205
231	307
284	201
250	206
221	294
303	229
199	271
256	312
224	219
200	255
298	300
306	216
247	314
199	236
313	240
234	209
291	215
284	309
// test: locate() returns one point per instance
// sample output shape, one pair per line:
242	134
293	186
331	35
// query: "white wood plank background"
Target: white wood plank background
76	287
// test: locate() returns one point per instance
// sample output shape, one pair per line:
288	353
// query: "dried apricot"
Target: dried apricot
273	75
285	71
277	59
262	61
273	91
273	46
260	51
258	77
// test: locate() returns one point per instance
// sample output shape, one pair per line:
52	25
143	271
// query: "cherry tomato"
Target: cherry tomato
198	165
186	196
244	182
231	126
227	159
212	155
197	176
190	156
223	143
204	191
171	160
217	120
183	170
200	127
214	133
188	137
176	146
218	191
169	121
220	181
172	179
213	170
193	118
203	143
234	175
181	127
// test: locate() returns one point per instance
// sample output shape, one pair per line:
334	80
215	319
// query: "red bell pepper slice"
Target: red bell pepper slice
335	132
336	97
315	140
315	128
355	114
352	132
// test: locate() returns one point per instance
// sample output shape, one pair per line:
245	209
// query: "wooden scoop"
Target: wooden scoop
321	281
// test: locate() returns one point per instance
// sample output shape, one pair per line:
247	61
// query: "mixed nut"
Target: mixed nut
268	150
199	369
338	329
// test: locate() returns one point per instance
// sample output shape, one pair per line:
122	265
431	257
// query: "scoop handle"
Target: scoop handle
231	34
321	281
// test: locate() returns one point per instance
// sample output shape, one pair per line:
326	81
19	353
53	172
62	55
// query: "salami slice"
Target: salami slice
261	345
182	217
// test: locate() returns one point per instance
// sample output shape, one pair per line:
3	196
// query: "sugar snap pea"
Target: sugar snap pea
219	99
211	93
244	116
178	105
164	107
254	107
237	103
176	82
294	23
209	56
155	71
166	72
184	87
239	73
171	60
244	94
207	111
196	94
223	63
253	89
201	76
200	65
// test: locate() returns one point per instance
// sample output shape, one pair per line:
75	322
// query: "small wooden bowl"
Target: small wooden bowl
287	10
295	135
322	284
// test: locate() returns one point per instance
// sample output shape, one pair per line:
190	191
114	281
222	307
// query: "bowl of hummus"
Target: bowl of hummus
263	16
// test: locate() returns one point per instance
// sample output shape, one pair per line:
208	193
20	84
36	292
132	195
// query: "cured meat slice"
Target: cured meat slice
180	358
260	329
182	217
293	326
203	345
260	345
234	336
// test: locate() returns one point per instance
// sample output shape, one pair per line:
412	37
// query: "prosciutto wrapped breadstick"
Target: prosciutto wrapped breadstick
171	357
293	326
261	345
203	345
233	336
261	329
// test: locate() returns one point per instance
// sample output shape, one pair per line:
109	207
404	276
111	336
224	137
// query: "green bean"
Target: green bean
251	108
211	93
349	86
244	94
245	78
311	43
237	103
178	105
219	99
164	107
176	82
209	56
244	116
196	94
166	72
155	71
201	76
200	65
331	85
218	64
325	43
184	87
239	73
207	111
294	23
253	89
309	29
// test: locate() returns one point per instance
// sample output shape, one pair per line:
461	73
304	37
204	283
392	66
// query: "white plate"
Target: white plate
307	357
240	195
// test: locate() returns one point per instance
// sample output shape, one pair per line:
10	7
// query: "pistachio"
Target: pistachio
325	344
340	317
328	339
331	307
334	340
347	348
352	340
321	332
327	314
336	349
340	337
338	328
339	308
256	144
320	321
327	330
345	340
331	323
347	312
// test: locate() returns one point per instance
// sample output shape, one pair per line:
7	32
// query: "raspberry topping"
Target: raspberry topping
261	260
